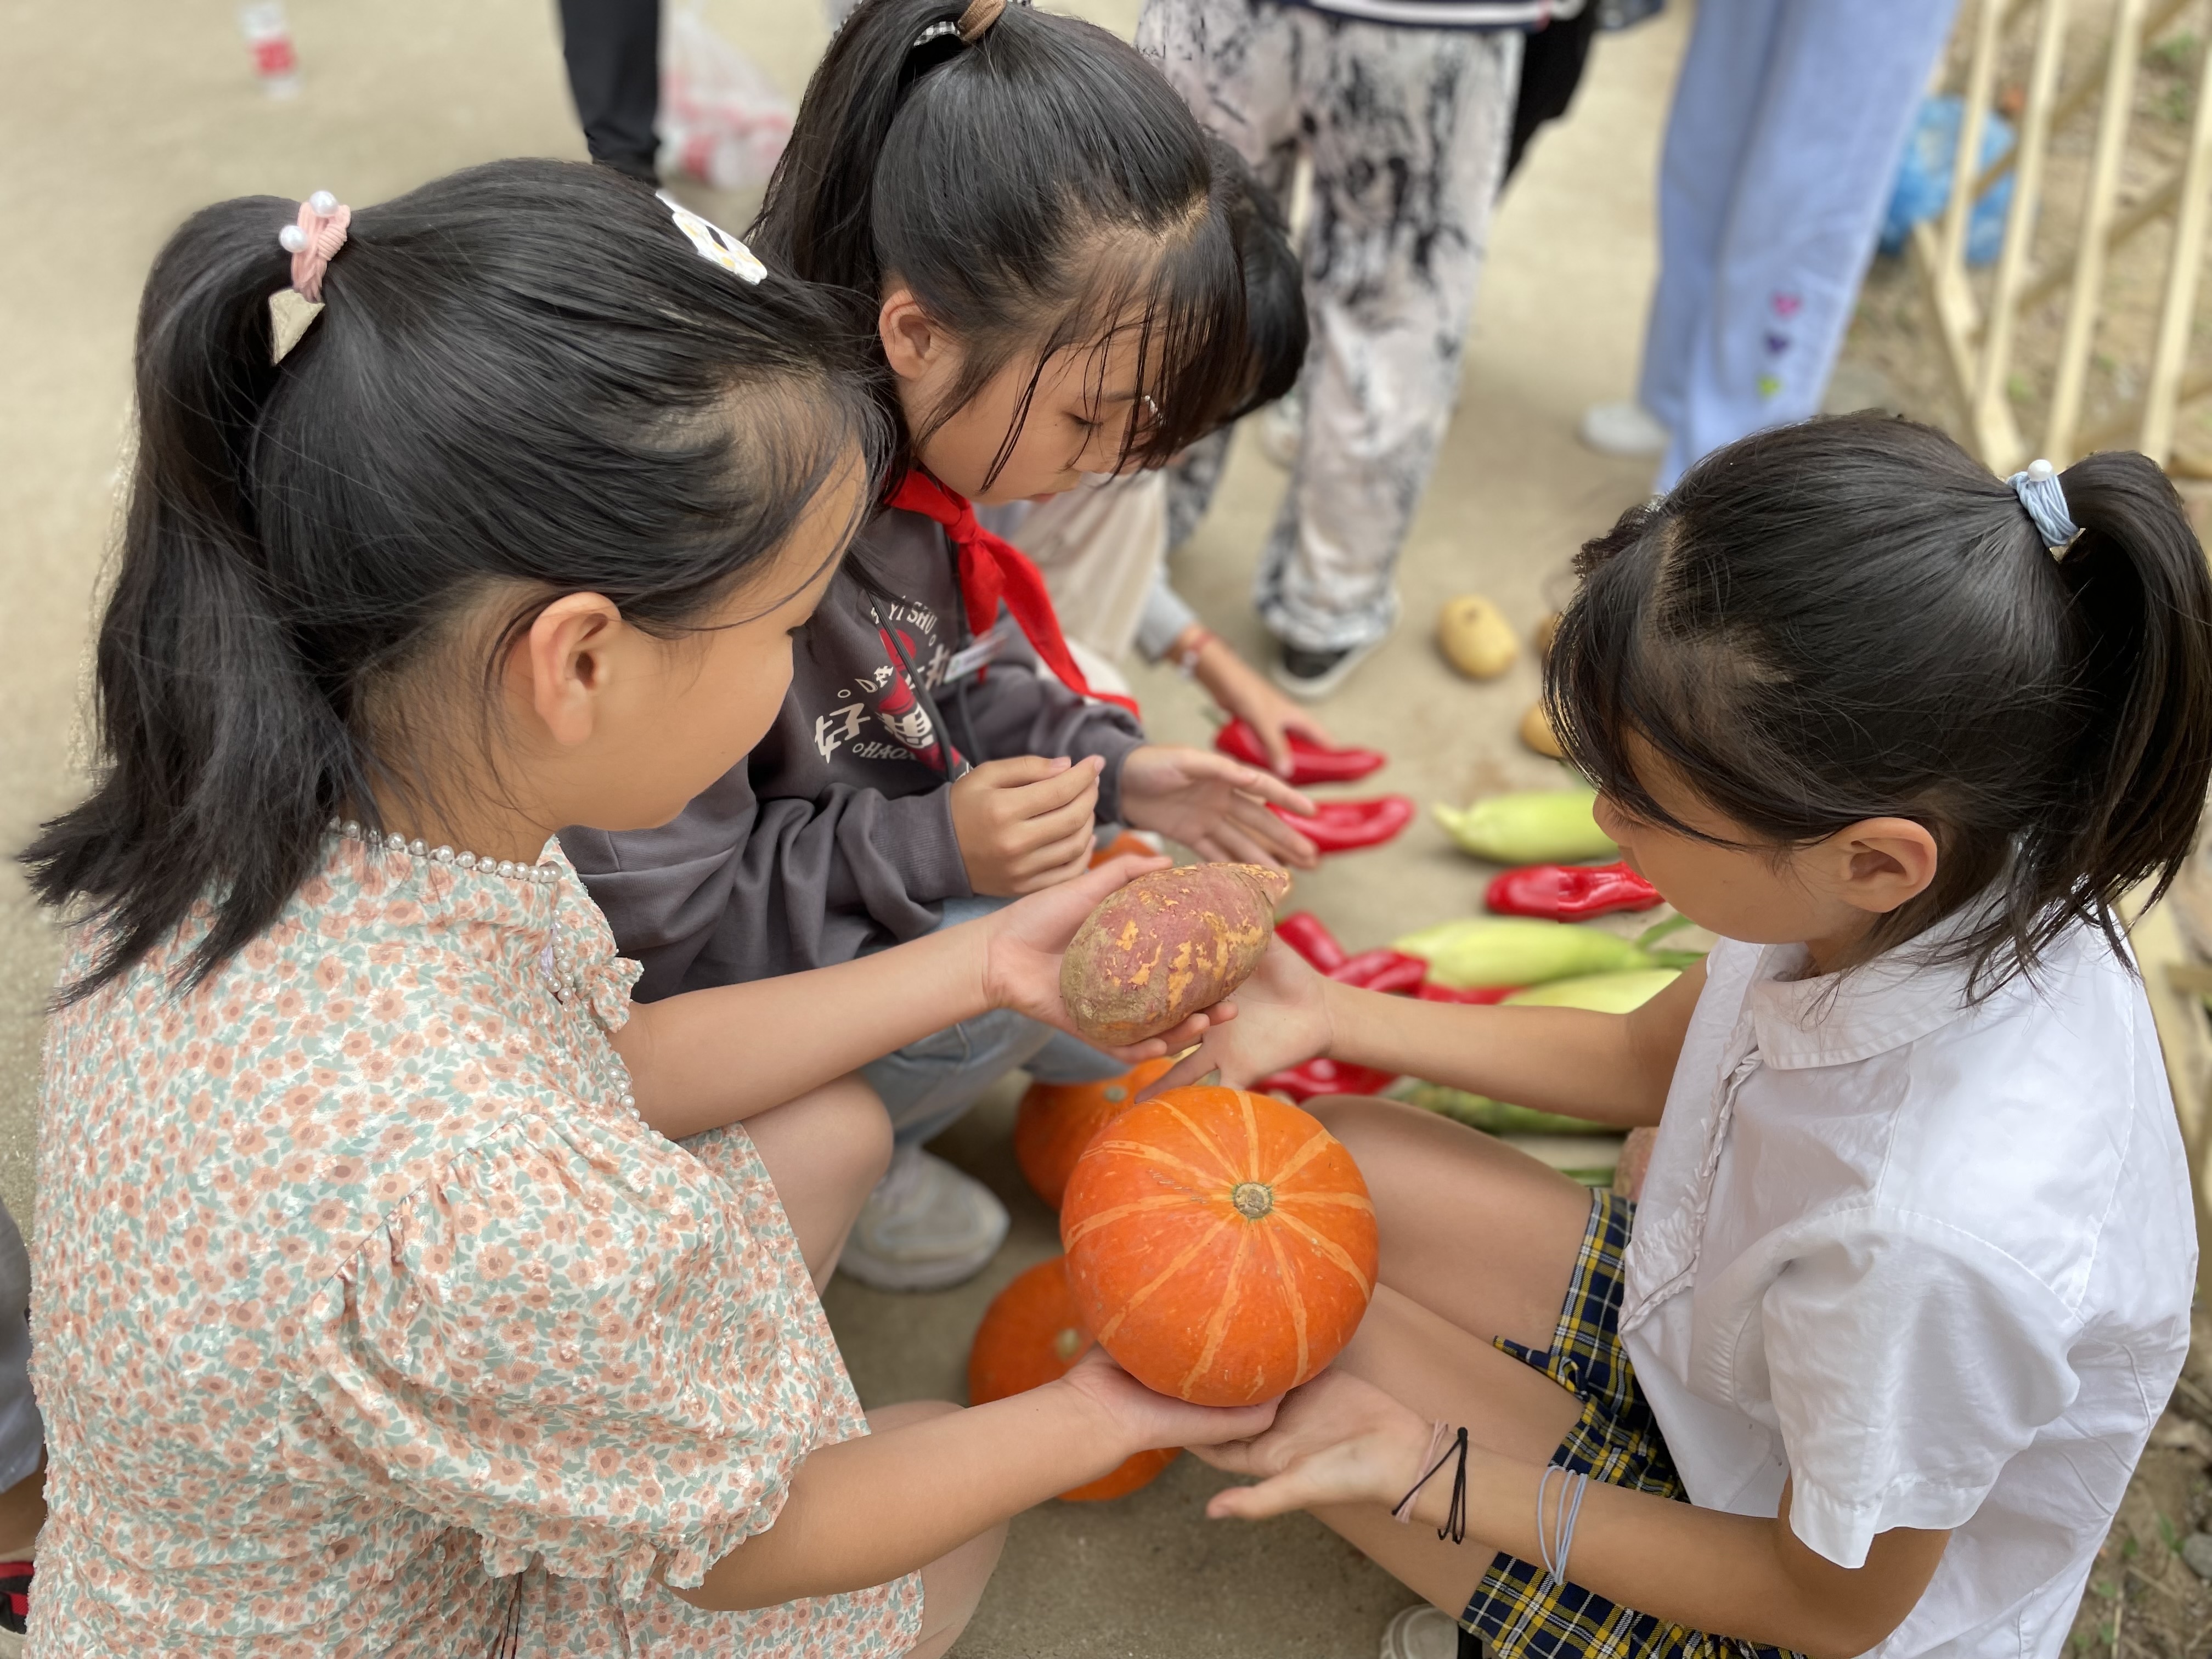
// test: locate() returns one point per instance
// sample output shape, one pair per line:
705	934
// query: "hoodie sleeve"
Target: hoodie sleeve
737	888
1019	708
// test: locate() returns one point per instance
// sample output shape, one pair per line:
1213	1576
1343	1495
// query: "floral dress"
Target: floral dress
371	1318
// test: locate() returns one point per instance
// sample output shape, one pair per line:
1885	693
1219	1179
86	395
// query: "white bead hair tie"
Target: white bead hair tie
2044	498
312	241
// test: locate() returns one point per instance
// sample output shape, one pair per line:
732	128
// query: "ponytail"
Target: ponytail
233	758
2139	588
525	382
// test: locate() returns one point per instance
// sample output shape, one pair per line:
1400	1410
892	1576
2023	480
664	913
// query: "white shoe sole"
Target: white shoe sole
1419	1632
1624	431
937	1273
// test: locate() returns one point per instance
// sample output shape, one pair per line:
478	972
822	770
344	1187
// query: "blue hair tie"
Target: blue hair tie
2044	498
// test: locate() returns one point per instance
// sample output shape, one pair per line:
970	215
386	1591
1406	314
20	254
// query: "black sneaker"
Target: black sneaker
15	1594
1310	676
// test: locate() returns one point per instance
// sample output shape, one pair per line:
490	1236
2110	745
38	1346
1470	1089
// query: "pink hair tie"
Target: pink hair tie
314	240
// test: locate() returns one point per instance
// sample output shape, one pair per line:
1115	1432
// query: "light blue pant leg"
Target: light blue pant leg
1841	83
1708	142
928	1086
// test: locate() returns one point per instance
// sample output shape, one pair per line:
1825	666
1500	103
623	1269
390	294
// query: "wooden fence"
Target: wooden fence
1980	334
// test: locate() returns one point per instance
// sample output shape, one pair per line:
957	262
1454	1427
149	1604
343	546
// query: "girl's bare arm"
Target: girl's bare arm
1342	1442
711	1057
866	1512
1611	1068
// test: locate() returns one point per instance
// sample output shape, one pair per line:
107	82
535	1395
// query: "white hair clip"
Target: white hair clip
714	243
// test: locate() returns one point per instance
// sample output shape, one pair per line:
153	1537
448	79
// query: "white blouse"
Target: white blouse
1931	1263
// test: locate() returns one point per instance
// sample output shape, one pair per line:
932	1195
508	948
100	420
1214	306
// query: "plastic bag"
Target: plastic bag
722	120
1924	180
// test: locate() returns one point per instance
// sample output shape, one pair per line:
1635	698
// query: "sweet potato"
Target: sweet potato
1166	945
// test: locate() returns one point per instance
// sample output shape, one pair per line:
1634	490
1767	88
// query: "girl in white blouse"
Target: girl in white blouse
1869	1365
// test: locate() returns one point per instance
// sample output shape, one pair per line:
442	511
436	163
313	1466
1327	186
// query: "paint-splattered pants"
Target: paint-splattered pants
1788	122
1407	131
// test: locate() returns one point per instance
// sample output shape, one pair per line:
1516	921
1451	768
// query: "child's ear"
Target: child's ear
1883	863
913	345
561	666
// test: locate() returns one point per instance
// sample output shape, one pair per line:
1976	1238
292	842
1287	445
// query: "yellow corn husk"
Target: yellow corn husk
1495	1116
1532	826
1486	951
1605	993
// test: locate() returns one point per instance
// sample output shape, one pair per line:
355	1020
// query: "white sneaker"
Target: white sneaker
1421	1632
925	1227
1626	429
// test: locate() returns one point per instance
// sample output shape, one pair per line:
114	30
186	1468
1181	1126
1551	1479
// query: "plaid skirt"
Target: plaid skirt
1516	1611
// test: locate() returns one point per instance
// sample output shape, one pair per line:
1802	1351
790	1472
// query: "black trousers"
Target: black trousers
613	50
1552	64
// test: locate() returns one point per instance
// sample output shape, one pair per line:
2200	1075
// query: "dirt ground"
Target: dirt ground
1894	357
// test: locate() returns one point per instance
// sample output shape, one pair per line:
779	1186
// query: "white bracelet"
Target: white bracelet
1555	1547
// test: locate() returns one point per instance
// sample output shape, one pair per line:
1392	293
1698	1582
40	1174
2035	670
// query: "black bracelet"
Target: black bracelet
1455	1526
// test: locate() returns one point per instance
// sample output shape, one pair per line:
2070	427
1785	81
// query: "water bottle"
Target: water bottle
269	38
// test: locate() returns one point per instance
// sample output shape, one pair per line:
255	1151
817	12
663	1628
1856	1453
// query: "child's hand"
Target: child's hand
1244	692
1336	1440
1143	1421
1214	805
1279	1017
1024	943
1025	824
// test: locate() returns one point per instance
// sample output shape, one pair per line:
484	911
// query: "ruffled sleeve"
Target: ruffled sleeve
581	1344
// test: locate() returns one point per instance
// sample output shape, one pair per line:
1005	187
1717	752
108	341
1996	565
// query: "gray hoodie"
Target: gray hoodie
833	837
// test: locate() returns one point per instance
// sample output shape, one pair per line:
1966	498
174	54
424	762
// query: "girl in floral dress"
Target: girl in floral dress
378	1309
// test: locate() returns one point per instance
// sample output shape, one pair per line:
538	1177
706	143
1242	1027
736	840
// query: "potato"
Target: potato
1475	638
1542	637
1536	732
1166	945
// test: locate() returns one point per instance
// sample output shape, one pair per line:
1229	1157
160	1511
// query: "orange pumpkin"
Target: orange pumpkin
1055	1122
1220	1243
1122	845
1030	1336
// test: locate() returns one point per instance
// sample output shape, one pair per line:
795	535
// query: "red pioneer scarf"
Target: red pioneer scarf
992	570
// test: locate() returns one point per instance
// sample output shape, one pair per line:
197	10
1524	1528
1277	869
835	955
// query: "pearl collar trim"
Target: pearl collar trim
543	871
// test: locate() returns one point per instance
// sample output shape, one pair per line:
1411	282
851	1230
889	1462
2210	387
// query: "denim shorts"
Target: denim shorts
929	1084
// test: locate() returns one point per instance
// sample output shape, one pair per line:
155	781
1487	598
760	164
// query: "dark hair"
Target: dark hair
1852	618
1275	328
1036	190
525	377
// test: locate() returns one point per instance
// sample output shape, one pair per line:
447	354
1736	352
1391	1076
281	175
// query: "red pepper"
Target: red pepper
1310	762
1340	826
1570	892
1325	1077
1432	992
1309	935
1382	970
